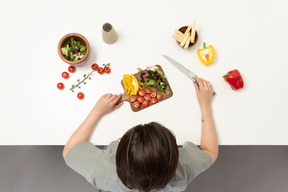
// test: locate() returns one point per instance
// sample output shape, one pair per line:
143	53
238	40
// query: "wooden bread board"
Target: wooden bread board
125	97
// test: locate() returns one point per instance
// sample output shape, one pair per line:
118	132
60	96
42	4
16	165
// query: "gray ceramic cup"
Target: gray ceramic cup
109	34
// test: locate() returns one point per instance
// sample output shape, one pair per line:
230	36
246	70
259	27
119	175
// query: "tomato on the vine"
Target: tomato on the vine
60	86
100	70
65	75
71	69
94	66
107	69
80	95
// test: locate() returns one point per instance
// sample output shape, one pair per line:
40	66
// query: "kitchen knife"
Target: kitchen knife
183	69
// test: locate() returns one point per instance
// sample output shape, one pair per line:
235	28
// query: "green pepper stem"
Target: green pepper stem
226	75
204	45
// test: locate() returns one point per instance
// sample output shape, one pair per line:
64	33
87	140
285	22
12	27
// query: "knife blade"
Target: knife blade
183	69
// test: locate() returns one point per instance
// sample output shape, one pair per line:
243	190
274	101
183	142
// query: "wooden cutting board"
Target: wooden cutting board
125	97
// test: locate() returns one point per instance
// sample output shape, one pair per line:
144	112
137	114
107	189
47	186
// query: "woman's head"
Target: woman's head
147	157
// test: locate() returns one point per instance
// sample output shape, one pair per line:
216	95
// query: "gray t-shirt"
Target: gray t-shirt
99	166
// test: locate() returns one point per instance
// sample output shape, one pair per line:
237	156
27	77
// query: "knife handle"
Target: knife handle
198	85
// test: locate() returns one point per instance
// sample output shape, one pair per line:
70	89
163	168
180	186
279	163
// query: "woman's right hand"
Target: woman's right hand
106	104
204	92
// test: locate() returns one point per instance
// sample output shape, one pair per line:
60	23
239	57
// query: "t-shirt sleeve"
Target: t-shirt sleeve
82	158
193	160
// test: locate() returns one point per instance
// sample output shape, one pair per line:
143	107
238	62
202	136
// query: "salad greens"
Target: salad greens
153	77
73	50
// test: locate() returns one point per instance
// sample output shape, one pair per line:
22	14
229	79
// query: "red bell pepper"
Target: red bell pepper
234	78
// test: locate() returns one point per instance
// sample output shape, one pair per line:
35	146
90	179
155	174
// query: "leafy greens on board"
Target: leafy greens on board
153	77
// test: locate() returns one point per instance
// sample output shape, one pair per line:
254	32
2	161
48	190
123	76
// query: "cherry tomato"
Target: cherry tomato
147	97
136	104
65	75
159	96
141	92
145	103
132	99
94	66
140	99
71	69
100	70
153	94
80	95
107	69
148	90
60	86
153	100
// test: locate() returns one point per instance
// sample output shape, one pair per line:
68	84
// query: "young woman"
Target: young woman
147	157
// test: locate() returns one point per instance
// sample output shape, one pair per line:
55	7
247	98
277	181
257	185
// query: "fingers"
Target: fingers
106	96
203	84
200	82
115	98
117	106
196	87
206	84
210	87
111	98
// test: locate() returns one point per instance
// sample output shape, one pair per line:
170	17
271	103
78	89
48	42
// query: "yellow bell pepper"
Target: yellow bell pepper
125	84
131	84
207	54
135	85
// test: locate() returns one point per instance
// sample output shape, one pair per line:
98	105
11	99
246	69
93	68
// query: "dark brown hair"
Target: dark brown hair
147	157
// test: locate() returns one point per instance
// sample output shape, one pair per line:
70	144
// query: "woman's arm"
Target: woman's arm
105	105
209	141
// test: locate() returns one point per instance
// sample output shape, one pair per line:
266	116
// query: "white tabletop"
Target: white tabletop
250	36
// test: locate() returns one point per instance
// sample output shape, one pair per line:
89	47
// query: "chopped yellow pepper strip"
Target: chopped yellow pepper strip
125	84
135	85
131	84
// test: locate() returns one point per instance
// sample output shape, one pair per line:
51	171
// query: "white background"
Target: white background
248	35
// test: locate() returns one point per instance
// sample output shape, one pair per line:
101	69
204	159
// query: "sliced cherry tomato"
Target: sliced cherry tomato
60	86
145	103
153	94
147	97
94	66
141	92
107	69
148	90
140	99
71	69
136	104
132	99
80	95
65	75
153	100
100	70
159	96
